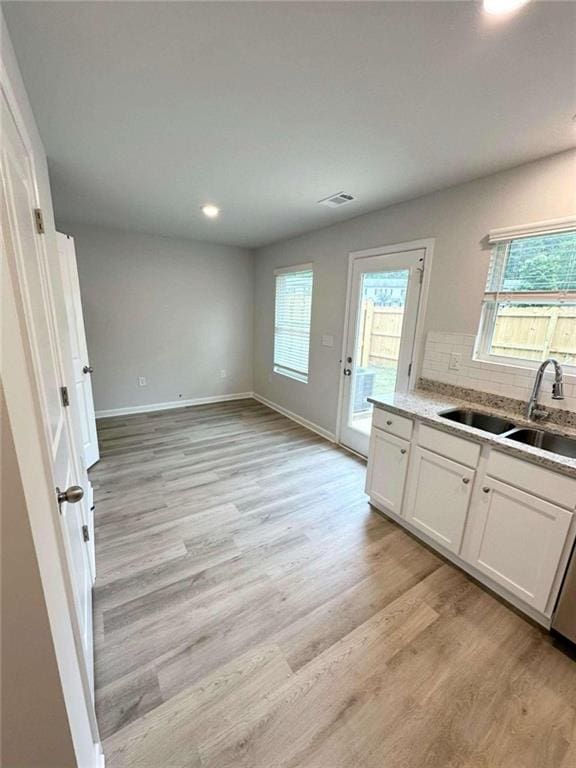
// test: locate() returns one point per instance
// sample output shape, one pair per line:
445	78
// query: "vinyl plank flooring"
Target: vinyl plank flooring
252	610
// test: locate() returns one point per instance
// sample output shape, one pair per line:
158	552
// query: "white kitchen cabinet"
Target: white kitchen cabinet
517	540
438	497
387	464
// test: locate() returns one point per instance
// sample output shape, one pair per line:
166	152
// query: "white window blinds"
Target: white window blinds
534	268
292	321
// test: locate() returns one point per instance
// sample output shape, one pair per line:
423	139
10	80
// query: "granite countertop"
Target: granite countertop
425	406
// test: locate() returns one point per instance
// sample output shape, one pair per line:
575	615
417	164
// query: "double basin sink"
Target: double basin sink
547	441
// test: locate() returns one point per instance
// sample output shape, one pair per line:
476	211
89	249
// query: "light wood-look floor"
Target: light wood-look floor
253	611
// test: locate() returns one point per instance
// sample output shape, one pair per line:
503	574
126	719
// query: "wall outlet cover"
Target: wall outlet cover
142	381
223	373
327	340
455	360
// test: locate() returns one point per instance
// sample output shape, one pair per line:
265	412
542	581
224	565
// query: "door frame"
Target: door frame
427	244
24	411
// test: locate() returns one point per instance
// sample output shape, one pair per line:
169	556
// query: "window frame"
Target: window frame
278	369
489	309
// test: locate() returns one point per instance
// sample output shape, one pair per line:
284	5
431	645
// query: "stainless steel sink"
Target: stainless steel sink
483	421
565	446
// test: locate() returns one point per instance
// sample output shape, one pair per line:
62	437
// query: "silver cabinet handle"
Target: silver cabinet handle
486	489
465	480
72	495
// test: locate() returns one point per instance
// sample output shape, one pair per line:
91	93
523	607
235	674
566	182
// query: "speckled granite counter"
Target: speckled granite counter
425	406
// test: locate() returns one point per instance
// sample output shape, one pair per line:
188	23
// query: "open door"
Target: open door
382	313
35	376
82	370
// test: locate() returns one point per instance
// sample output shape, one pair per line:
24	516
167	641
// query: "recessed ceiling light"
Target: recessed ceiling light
500	7
211	211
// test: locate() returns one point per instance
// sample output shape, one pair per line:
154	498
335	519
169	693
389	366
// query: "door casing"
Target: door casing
428	245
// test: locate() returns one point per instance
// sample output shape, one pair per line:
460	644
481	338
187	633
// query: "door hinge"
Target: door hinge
64	396
85	534
39	219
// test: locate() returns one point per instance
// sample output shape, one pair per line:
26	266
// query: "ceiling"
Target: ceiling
149	110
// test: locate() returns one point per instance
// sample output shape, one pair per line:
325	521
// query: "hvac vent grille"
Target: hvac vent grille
335	201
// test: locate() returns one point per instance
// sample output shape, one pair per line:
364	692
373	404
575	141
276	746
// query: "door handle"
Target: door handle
347	372
72	495
87	369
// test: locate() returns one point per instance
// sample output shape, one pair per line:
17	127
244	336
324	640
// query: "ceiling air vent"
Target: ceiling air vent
335	201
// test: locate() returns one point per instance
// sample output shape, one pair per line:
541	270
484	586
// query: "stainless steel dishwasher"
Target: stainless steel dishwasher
564	618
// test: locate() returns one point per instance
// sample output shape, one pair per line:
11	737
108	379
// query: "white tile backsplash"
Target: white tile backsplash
507	380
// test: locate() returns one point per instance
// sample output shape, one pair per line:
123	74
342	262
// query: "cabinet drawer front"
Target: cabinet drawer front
438	497
390	422
519	540
456	448
550	486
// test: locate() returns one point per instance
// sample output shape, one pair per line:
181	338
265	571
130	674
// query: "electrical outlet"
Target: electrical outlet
327	340
454	362
142	381
223	373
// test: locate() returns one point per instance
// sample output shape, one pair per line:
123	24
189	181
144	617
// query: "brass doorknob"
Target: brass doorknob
87	369
72	495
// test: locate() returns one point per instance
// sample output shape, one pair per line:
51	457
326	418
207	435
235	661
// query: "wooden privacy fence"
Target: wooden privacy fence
533	333
536	333
380	331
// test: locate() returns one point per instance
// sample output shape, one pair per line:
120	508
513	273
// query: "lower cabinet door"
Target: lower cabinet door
438	497
517	540
388	460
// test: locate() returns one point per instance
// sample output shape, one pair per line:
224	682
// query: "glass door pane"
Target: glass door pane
381	306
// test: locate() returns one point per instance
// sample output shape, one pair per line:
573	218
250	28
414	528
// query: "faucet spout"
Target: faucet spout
532	409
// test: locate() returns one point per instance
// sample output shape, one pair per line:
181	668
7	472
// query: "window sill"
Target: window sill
291	375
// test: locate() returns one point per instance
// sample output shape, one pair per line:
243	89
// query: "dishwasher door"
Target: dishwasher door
564	618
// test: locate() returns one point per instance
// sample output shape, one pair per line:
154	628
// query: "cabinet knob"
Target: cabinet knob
465	480
402	450
389	422
486	489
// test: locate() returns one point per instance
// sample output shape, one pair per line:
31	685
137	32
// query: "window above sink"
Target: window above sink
529	306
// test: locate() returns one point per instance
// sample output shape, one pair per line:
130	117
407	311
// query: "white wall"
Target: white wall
174	311
458	218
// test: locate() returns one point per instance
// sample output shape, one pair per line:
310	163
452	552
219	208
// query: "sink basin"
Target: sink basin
483	421
565	446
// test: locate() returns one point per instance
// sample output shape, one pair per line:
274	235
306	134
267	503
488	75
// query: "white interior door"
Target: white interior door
382	314
82	370
38	283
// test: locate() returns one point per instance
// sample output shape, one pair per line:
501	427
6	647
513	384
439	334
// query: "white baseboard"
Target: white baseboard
298	419
129	410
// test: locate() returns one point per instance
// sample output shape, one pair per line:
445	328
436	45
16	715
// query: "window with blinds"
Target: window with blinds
529	307
292	321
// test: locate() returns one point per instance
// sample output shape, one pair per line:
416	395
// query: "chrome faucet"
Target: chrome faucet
532	409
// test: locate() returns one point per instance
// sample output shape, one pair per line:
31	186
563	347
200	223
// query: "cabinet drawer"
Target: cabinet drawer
392	423
464	451
548	485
